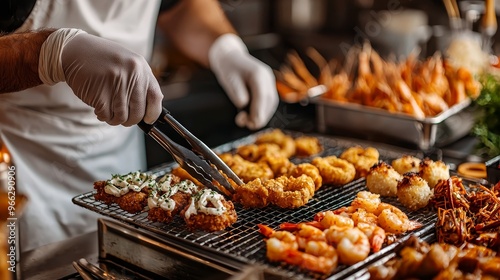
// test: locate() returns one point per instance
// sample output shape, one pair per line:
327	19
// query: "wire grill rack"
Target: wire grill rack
243	242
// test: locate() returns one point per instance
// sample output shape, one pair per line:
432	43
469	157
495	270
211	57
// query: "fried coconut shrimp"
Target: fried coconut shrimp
433	171
247	170
383	179
209	211
276	136
309	170
334	170
129	191
290	192
170	196
362	159
306	146
413	191
405	164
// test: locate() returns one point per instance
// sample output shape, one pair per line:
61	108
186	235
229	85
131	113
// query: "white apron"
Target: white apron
57	144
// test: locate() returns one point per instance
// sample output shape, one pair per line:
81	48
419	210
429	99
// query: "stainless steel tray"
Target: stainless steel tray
242	243
367	122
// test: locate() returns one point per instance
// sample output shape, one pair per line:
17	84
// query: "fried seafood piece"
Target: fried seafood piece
170	196
209	211
279	165
383	179
413	191
133	202
276	136
129	191
362	159
284	191
253	194
394	220
313	254
309	170
334	170
290	192
406	163
184	175
306	146
245	169
352	244
254	152
434	171
101	194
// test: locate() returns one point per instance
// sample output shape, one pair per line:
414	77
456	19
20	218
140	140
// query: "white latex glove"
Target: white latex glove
115	81
246	80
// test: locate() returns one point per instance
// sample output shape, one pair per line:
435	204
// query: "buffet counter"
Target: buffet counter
54	261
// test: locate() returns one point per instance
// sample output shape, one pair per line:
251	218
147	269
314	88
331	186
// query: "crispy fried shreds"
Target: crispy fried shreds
467	215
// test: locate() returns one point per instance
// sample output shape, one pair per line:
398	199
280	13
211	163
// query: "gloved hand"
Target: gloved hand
246	80
115	81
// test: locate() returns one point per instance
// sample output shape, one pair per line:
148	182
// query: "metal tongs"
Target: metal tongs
201	163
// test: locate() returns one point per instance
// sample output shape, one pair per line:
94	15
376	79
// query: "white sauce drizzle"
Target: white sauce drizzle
119	185
200	201
165	200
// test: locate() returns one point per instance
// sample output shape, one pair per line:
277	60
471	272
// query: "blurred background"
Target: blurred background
270	29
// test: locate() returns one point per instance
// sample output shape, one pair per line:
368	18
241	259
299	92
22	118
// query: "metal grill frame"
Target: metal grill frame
243	242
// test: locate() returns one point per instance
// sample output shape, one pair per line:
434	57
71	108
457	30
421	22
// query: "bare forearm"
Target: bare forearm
193	25
19	60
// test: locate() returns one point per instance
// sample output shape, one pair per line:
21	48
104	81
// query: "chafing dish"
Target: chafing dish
374	123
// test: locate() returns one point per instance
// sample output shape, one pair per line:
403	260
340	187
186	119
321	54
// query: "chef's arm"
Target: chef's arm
193	26
201	30
19	54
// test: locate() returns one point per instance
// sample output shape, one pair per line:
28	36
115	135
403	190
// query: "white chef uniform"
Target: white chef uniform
57	144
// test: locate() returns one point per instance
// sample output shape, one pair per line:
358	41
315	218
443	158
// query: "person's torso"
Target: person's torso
128	22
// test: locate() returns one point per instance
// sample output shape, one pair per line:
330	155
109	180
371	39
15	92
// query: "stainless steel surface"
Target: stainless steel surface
53	261
425	134
157	254
82	272
95	270
242	243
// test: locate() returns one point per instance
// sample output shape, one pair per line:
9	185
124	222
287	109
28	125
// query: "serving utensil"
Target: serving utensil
201	163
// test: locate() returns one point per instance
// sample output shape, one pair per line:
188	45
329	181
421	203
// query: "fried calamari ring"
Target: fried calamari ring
383	179
254	152
335	170
209	211
362	159
279	165
253	194
309	170
247	170
290	192
276	136
306	146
